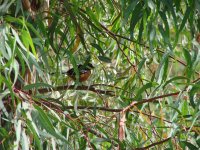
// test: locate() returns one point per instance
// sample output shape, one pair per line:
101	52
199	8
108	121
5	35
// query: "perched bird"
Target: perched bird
84	72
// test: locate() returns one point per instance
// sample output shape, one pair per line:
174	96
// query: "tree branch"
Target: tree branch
73	87
154	144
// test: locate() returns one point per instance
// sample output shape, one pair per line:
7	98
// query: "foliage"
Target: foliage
143	91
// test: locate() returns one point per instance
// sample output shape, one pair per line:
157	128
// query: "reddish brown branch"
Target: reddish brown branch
154	144
113	110
73	87
135	103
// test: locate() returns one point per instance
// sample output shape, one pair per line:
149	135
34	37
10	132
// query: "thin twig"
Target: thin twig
135	103
154	144
73	87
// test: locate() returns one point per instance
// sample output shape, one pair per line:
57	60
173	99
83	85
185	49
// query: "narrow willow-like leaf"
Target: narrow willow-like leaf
27	41
164	35
129	10
75	22
98	48
18	130
25	140
127	84
2	106
185	18
82	143
190	145
45	123
169	4
136	16
141	29
21	61
37	86
185	108
161	71
15	66
188	58
51	32
193	92
4	135
152	36
5	6
165	70
35	135
142	89
173	79
8	85
141	64
194	120
23	23
102	131
100	140
93	17
164	18
94	26
104	59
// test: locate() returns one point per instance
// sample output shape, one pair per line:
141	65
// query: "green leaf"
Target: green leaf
100	140
73	17
185	108
34	133
173	79
188	58
8	85
194	120
152	37
18	132
92	17
141	64
102	130
169	4
104	59
193	92
185	18
15	66
37	86
136	16
3	133
129	10
24	140
27	41
5	6
165	70
23	23
46	124
141	29
21	62
164	18
162	70
164	35
144	88
2	106
190	145
98	48
97	26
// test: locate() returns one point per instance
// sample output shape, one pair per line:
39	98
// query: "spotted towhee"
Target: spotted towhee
84	72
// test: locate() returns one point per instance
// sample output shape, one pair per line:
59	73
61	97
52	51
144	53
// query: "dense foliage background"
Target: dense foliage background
144	91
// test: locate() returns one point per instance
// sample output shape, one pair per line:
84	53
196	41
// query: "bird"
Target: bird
84	72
